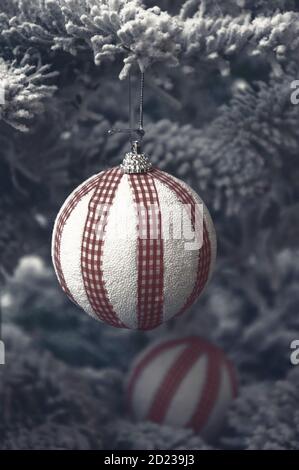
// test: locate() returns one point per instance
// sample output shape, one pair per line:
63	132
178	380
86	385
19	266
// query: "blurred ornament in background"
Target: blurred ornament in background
185	383
112	254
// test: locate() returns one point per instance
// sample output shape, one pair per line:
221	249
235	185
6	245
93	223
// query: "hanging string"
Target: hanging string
139	131
130	109
141	128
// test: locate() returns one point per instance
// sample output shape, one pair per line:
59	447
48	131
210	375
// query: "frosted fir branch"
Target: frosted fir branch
266	416
107	28
33	23
219	39
149	36
52	399
238	155
150	436
145	36
25	90
33	288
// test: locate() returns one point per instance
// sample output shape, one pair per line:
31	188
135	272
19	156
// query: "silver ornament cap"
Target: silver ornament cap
136	161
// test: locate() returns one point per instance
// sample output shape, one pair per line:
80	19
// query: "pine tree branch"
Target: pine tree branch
145	36
25	90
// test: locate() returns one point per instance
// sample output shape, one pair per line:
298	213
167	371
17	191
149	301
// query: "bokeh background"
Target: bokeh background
219	115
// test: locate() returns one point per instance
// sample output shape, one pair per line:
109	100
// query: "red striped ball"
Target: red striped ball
184	382
143	278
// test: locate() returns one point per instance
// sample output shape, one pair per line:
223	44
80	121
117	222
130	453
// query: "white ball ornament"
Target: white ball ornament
184	382
115	255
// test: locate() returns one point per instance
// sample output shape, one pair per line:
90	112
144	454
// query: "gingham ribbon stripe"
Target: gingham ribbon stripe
93	246
169	386
150	251
204	258
63	217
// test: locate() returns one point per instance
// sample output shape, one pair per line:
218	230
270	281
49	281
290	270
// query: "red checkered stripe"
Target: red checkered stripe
204	258
210	391
61	221
93	246
145	361
150	251
172	380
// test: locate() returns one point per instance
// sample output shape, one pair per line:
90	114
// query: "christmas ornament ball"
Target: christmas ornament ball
186	382
113	259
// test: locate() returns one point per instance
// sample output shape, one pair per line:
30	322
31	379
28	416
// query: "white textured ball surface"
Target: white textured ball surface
131	281
184	382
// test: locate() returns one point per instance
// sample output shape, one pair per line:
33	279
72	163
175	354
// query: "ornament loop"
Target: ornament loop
136	161
139	131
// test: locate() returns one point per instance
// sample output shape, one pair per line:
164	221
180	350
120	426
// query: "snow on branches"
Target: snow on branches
25	89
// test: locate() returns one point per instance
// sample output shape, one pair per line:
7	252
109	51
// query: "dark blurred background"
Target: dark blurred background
218	115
